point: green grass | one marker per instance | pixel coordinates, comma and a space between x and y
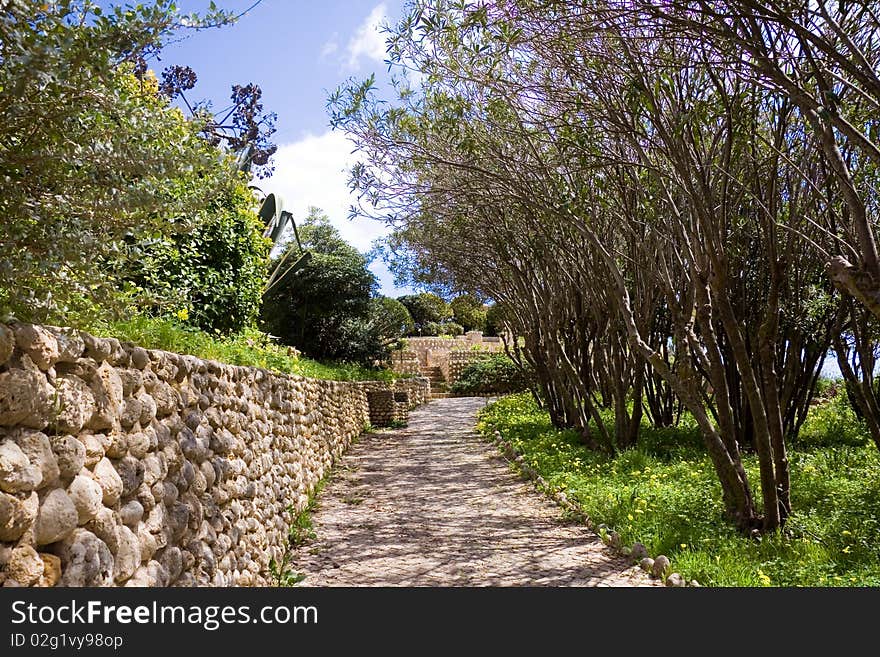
665, 494
251, 348
300, 532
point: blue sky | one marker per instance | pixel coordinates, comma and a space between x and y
297, 51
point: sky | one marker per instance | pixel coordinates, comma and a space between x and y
297, 51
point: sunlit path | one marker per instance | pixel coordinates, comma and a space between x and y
433, 505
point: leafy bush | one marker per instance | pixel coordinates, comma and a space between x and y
451, 328
92, 156
213, 274
493, 373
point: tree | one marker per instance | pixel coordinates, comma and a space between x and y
822, 58
468, 311
496, 323
635, 207
425, 308
95, 164
324, 308
391, 319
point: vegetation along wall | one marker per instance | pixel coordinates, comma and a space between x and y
121, 466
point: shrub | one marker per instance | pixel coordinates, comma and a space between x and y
432, 328
426, 310
494, 373
451, 328
216, 271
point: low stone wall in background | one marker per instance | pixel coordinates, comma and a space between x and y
449, 354
405, 362
121, 466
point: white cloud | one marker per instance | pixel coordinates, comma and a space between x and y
368, 41
314, 172
330, 47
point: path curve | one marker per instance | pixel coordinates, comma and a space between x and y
435, 505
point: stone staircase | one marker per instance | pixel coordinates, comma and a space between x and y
439, 388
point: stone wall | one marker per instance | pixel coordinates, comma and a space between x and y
121, 466
444, 353
405, 362
416, 388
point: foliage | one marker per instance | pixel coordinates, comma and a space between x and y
495, 320
300, 531
391, 319
492, 374
664, 494
325, 307
425, 308
282, 575
433, 329
249, 348
468, 311
214, 273
93, 160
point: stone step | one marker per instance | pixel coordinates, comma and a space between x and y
441, 395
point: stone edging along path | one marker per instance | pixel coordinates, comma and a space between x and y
436, 505
659, 568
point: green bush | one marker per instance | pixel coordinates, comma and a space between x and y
214, 273
451, 328
492, 373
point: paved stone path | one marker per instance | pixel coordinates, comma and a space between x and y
435, 505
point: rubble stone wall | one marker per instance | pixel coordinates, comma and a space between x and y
122, 466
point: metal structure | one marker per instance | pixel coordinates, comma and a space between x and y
276, 220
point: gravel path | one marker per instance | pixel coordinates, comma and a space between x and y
434, 505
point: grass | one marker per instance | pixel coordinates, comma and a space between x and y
300, 532
250, 348
664, 494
